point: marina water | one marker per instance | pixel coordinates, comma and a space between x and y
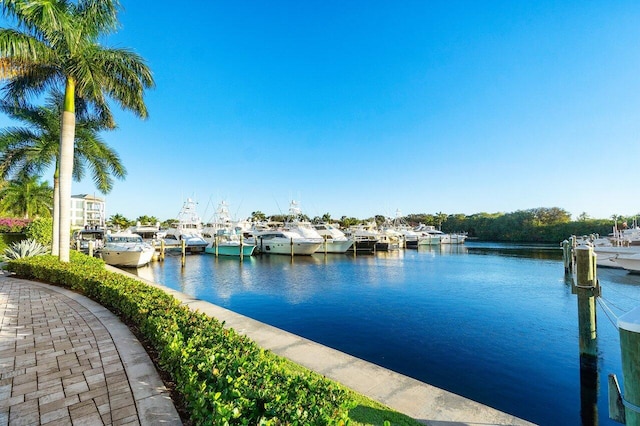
495, 323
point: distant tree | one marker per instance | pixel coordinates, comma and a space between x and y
326, 217
27, 197
278, 218
583, 217
440, 219
147, 220
346, 222
379, 219
119, 221
549, 216
168, 223
258, 216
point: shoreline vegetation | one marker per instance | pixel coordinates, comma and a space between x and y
539, 225
216, 376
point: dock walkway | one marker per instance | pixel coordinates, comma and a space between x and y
65, 360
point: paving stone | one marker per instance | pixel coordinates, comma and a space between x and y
55, 415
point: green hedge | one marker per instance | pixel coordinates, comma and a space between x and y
224, 377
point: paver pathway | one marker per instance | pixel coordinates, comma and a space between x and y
65, 360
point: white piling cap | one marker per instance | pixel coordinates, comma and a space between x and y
630, 321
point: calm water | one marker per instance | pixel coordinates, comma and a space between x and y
494, 323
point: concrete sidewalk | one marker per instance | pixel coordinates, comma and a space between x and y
65, 360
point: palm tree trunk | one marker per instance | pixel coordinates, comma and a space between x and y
55, 238
67, 136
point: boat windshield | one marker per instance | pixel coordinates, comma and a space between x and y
125, 239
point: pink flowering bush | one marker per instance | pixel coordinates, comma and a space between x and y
10, 224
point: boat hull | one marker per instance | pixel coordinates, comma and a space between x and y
285, 247
607, 256
231, 250
631, 263
453, 239
127, 258
429, 240
335, 246
366, 246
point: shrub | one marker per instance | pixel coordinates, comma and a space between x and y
41, 230
223, 377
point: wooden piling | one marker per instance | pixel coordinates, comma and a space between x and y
184, 252
629, 329
587, 290
241, 249
292, 248
162, 248
567, 255
215, 243
91, 244
325, 245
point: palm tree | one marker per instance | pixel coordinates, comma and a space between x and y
55, 45
27, 197
29, 150
119, 221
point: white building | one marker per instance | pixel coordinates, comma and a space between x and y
87, 211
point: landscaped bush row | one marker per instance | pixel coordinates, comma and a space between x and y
223, 377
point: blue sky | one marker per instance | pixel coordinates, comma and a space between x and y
360, 108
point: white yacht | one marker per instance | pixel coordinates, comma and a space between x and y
293, 238
187, 229
281, 241
126, 249
334, 240
428, 235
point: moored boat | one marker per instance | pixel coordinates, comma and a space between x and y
126, 249
630, 262
187, 229
224, 237
81, 239
280, 241
229, 247
334, 240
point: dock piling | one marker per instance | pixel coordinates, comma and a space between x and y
587, 289
184, 252
629, 329
162, 247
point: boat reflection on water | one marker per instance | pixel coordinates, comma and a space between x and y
444, 249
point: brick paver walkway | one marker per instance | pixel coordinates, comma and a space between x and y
59, 364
